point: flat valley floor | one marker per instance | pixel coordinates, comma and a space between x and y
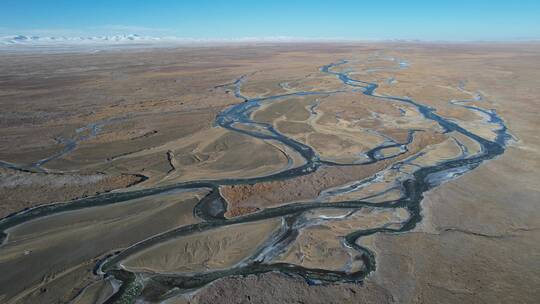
287, 173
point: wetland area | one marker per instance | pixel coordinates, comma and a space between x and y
271, 173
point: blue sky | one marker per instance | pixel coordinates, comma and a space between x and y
425, 20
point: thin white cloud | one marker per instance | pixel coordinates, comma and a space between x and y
101, 30
121, 29
4, 31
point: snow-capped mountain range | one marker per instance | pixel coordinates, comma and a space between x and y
23, 43
28, 40
22, 40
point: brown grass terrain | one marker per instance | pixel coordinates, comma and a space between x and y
20, 190
151, 112
244, 199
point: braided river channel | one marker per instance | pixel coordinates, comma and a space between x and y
132, 283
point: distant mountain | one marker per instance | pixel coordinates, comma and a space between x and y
98, 43
37, 40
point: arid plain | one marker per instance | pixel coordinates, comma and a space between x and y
285, 173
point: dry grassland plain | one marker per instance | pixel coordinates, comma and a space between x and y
272, 173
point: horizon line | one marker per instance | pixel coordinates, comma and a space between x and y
21, 39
